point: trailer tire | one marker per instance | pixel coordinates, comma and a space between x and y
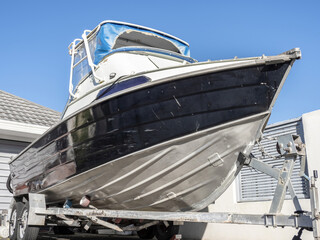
26, 232
165, 233
147, 233
13, 223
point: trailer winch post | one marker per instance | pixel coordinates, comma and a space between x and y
289, 146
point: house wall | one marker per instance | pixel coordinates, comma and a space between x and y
228, 202
8, 149
14, 137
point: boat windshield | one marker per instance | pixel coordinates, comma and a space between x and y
110, 37
80, 68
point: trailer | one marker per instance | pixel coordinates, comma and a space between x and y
27, 215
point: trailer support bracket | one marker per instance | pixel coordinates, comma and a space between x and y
36, 201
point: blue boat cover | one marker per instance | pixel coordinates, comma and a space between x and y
110, 34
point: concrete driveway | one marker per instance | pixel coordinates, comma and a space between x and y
51, 236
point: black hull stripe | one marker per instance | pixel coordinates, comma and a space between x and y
98, 137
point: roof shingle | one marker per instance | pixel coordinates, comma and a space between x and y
16, 109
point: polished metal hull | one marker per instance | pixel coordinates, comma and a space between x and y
184, 174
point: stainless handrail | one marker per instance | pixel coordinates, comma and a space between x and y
90, 62
71, 51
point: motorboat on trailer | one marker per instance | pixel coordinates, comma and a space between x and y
146, 126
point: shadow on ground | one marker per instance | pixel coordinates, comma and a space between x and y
49, 236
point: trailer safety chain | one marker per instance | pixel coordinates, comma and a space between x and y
264, 153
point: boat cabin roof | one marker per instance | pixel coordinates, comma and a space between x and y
111, 35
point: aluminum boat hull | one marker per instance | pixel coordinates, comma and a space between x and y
172, 145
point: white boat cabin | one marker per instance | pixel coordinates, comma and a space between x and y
115, 51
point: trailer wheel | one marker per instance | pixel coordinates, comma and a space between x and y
26, 232
165, 233
13, 223
147, 233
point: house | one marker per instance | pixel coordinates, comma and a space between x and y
21, 122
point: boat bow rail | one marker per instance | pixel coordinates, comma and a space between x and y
292, 54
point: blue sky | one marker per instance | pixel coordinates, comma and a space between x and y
35, 35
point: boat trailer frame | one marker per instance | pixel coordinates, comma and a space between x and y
289, 146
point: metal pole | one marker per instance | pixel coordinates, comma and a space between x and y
314, 201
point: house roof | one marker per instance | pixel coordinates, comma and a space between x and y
16, 109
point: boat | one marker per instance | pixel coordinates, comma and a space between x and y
146, 126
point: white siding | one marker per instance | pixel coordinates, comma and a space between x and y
8, 149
